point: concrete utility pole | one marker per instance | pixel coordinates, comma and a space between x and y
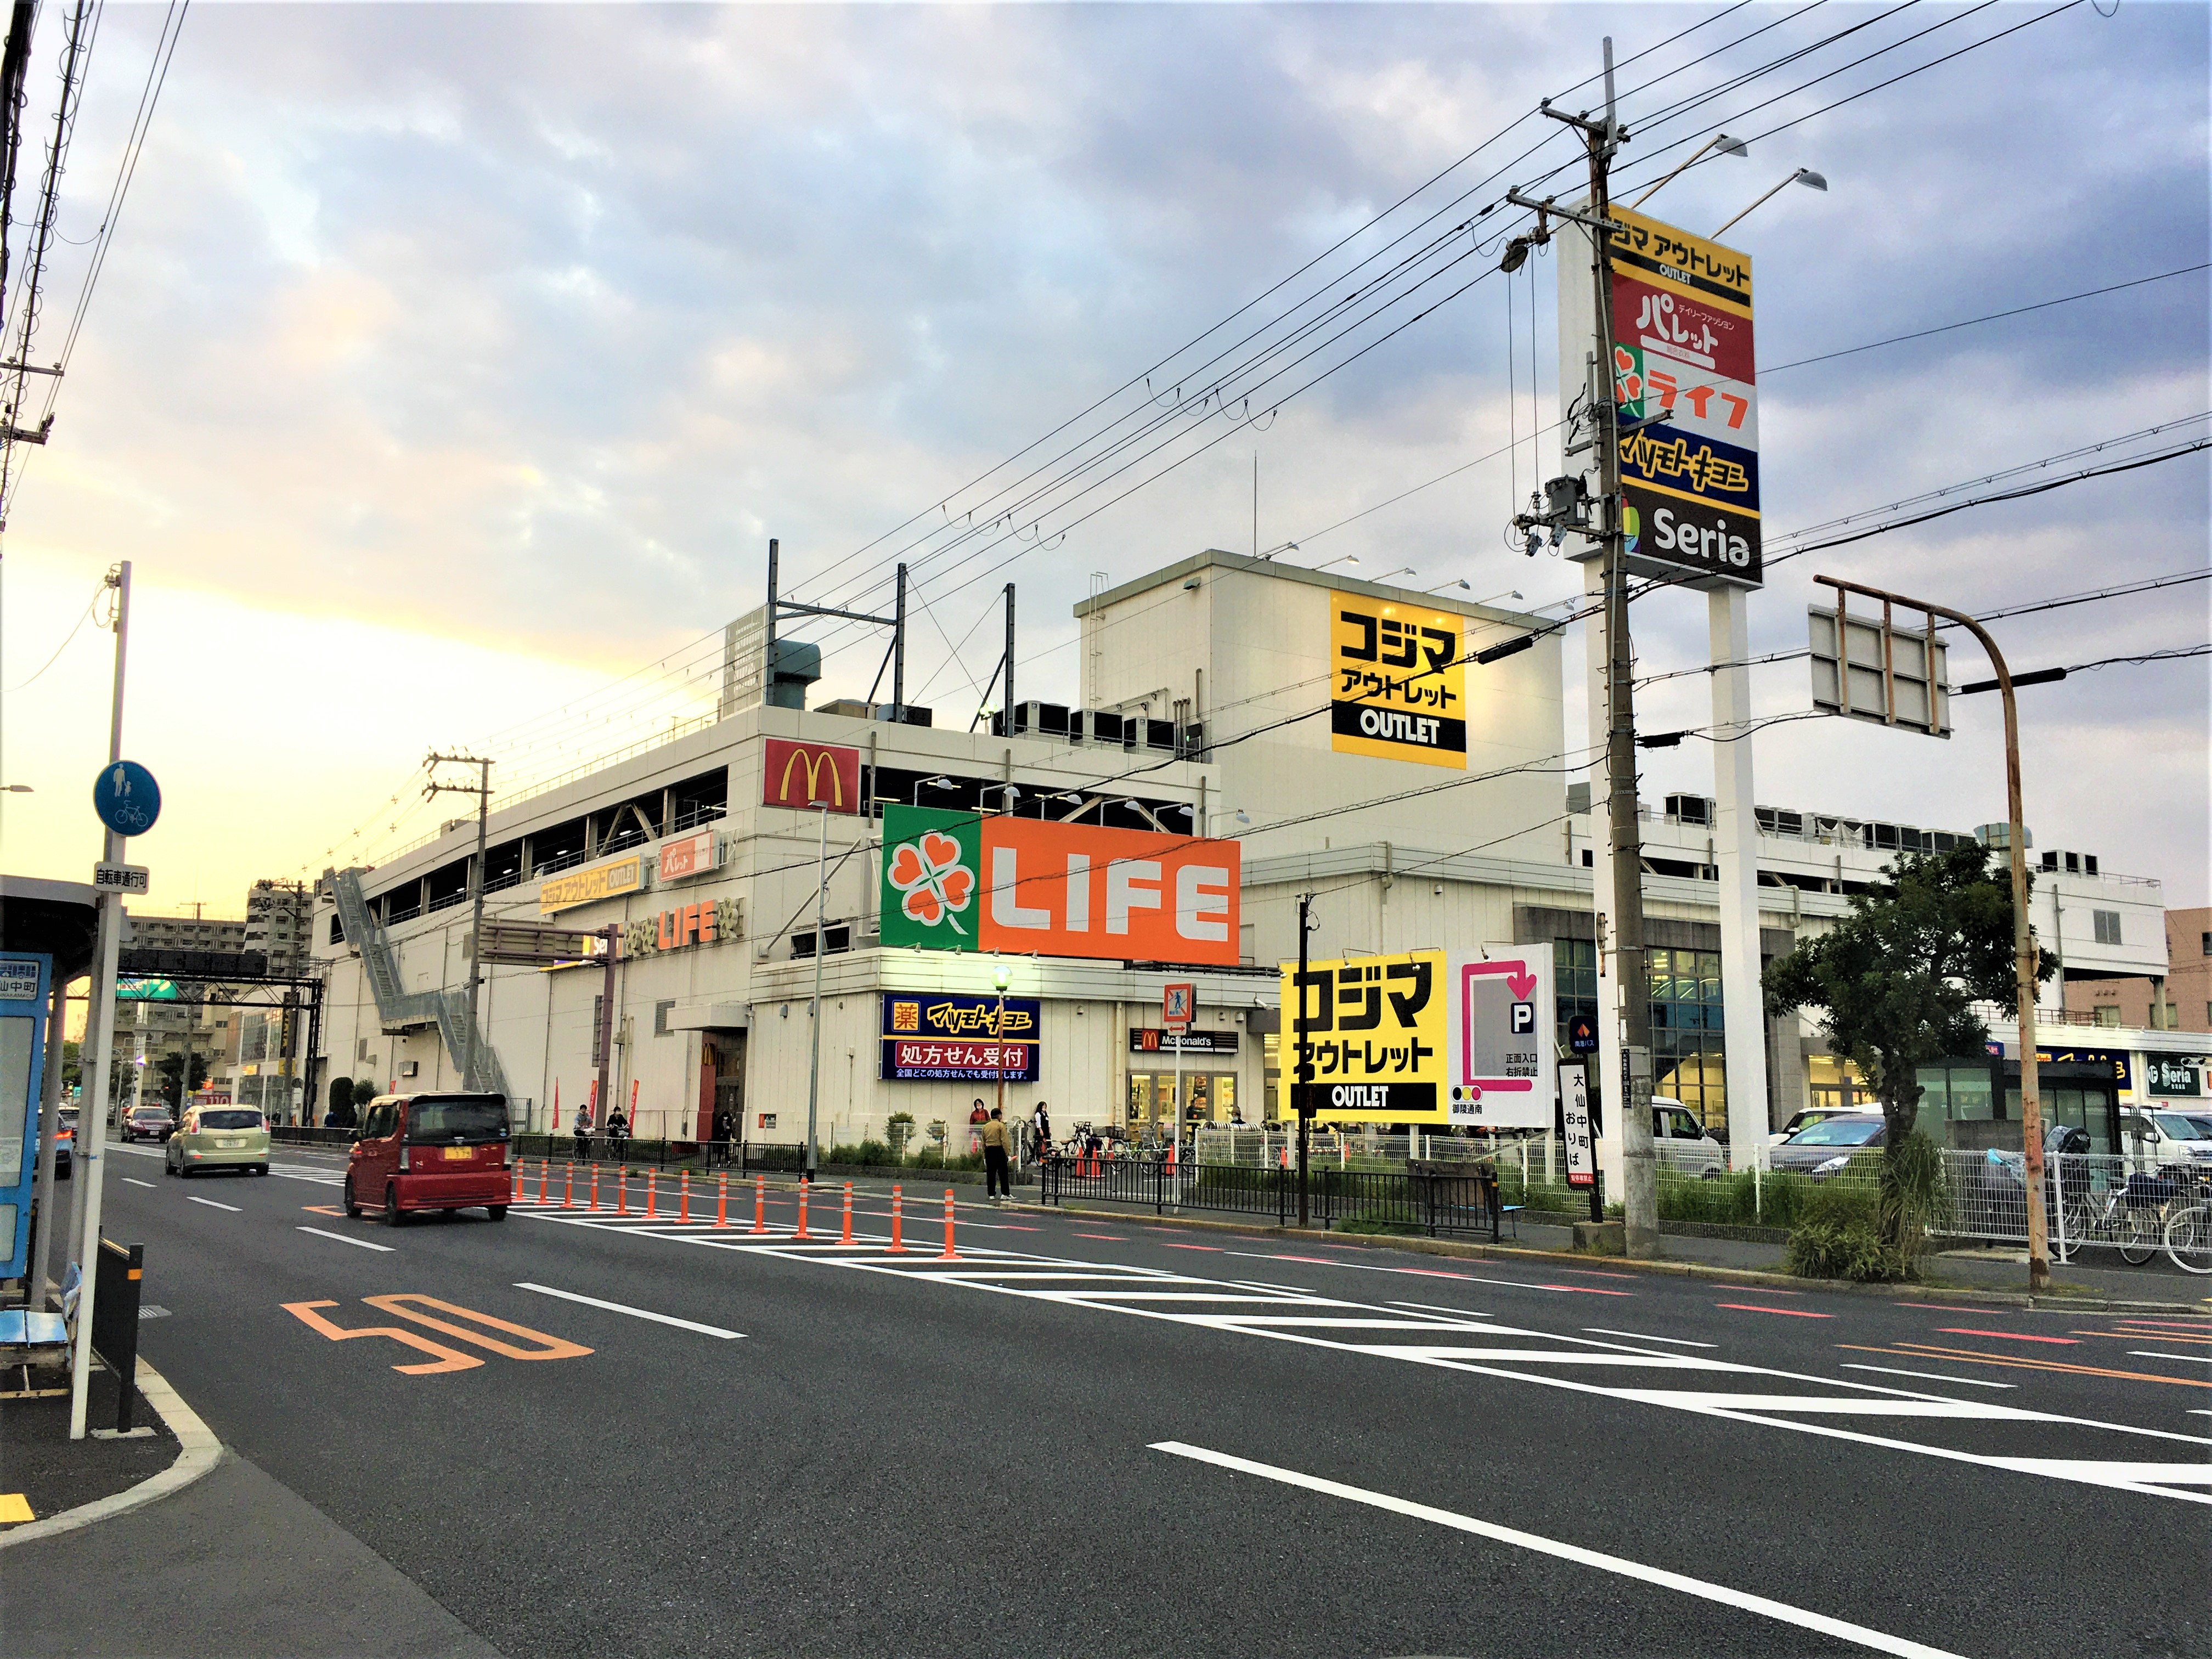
100, 1042
1632, 1115
821, 950
481, 790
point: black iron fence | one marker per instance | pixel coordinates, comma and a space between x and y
1426, 1198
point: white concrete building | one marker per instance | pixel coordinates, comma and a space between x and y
1213, 701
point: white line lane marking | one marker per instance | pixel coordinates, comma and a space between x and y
211, 1204
1685, 1342
1803, 1618
358, 1243
135, 1181
2133, 1354
634, 1313
1931, 1377
1438, 1307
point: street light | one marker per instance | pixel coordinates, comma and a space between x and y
932, 783
19, 789
1402, 570
1461, 583
1510, 593
1349, 558
1804, 176
999, 977
1720, 141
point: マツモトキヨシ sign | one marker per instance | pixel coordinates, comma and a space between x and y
936, 1036
963, 881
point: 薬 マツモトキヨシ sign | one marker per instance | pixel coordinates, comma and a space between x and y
936, 1036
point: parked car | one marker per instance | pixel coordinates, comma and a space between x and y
149, 1123
2153, 1138
218, 1137
1812, 1114
430, 1152
1821, 1149
1683, 1142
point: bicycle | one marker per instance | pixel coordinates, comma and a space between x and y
2188, 1238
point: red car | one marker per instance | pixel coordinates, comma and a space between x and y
430, 1152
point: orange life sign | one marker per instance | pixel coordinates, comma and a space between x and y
811, 775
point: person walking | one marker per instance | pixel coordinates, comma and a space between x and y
725, 1129
998, 1185
582, 1130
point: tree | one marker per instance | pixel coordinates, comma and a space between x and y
182, 1071
364, 1090
1895, 981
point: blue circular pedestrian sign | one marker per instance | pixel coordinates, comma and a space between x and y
126, 797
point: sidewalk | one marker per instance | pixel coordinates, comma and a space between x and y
52, 1472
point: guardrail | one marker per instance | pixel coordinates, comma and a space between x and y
1430, 1198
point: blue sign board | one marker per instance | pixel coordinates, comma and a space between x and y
939, 1036
126, 797
22, 1042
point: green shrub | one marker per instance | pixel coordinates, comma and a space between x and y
1839, 1235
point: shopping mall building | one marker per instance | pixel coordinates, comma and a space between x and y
1224, 700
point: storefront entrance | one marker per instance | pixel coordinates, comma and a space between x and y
721, 1080
1208, 1098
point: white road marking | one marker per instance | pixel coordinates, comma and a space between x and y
1743, 1600
212, 1204
1931, 1377
342, 1238
1677, 1341
634, 1313
1438, 1307
135, 1181
2152, 1353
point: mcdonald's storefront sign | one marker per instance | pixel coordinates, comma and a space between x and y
807, 776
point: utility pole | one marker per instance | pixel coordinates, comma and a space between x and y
1639, 1158
821, 950
1302, 1092
481, 790
100, 1039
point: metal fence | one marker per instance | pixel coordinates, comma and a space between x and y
1433, 1199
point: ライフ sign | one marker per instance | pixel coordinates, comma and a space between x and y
1398, 689
1374, 1034
811, 775
957, 881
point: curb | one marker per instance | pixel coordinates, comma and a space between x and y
198, 1451
1478, 1252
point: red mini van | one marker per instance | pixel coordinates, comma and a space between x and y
430, 1152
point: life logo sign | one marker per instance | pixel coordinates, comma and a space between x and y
1684, 378
959, 881
126, 797
1367, 1037
1503, 1055
1397, 688
811, 775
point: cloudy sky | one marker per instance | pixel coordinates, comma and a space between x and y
452, 364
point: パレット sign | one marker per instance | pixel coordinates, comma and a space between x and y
686, 855
959, 881
811, 775
1397, 688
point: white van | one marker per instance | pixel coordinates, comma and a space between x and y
2157, 1137
1684, 1144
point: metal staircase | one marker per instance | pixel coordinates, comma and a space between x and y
399, 1009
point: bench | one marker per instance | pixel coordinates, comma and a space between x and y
31, 1337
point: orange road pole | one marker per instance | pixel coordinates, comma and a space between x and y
544, 1175
760, 1204
803, 1186
846, 1236
950, 1255
651, 1177
722, 1199
622, 1190
568, 1188
898, 1247
683, 1203
595, 1186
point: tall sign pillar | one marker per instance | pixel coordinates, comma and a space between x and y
1735, 851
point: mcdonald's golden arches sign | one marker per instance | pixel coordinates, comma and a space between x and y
808, 776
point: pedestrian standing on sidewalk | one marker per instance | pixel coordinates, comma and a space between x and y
725, 1128
998, 1185
1041, 1125
977, 1117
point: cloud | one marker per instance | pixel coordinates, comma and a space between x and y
523, 328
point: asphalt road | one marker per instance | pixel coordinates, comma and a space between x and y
1116, 1438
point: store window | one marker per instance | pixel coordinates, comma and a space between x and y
1834, 1083
1271, 1052
1688, 1043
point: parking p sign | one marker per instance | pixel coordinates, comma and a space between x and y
1503, 1058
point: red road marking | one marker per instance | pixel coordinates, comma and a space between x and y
2015, 1336
1939, 1307
1318, 1260
1111, 1238
1760, 1290
1428, 1273
1015, 1227
1793, 1313
1216, 1248
1584, 1289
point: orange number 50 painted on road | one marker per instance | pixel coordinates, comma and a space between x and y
444, 1358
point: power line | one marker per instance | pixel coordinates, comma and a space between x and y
1993, 316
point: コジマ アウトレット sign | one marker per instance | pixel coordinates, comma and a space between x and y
959, 881
1397, 688
1373, 1031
